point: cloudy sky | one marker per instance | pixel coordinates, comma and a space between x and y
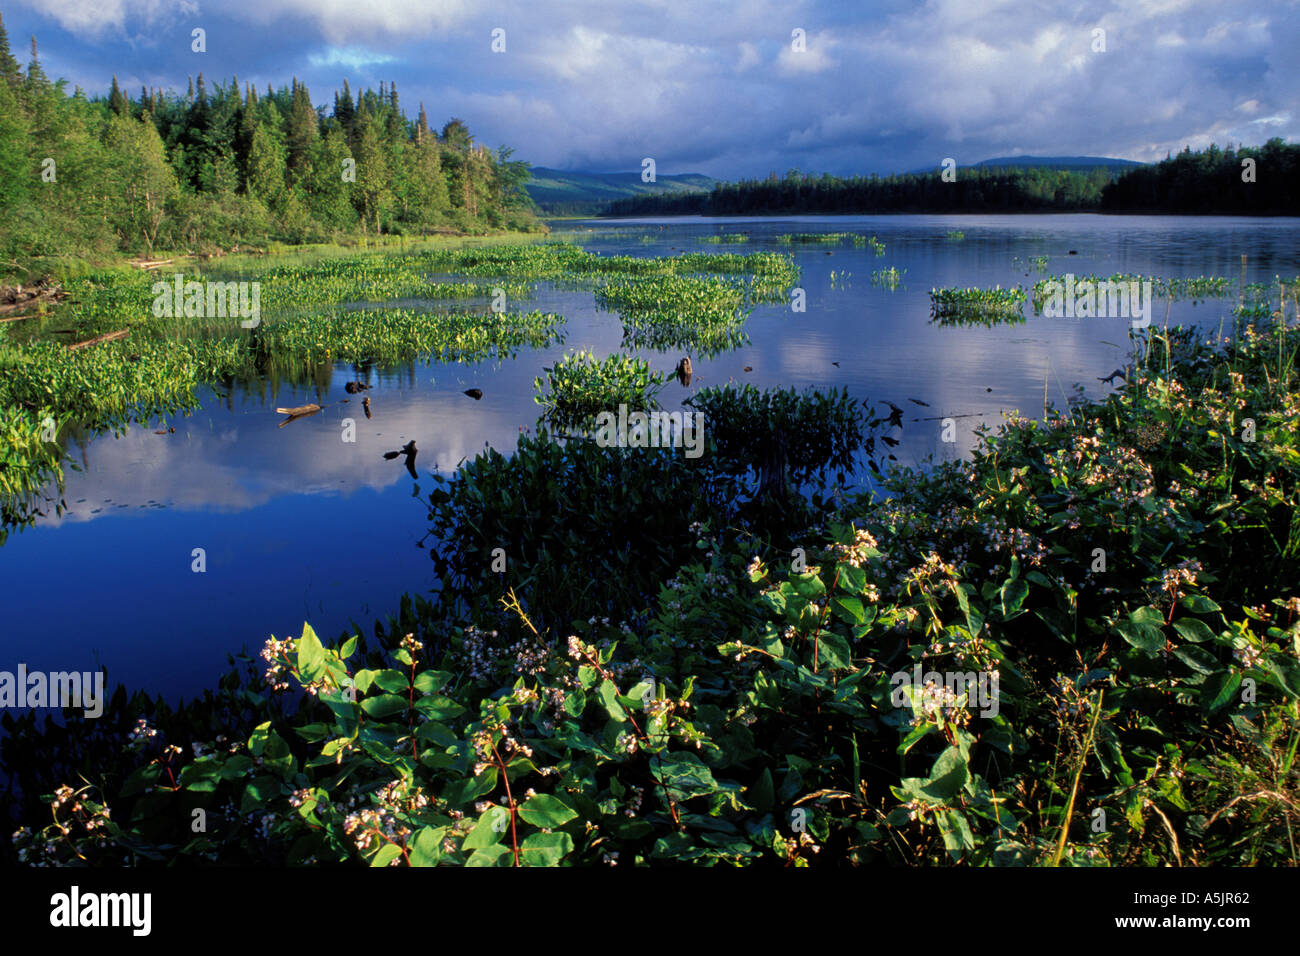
719, 87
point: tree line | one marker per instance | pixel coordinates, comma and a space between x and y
1247, 181
222, 166
1209, 181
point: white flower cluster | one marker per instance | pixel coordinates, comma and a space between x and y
274, 653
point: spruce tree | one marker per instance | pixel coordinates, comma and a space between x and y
36, 80
118, 103
346, 112
10, 72
301, 132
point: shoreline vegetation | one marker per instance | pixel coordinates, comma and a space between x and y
1212, 181
723, 687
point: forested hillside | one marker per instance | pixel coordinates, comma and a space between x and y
1248, 180
1209, 181
975, 189
223, 165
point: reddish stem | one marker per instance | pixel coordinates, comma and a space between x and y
505, 776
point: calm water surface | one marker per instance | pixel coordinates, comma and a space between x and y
298, 525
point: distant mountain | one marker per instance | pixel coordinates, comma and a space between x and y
1117, 166
560, 192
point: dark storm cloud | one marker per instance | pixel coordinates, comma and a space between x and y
718, 88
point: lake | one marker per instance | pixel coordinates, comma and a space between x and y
297, 525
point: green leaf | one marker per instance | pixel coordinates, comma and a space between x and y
833, 649
430, 682
259, 791
426, 848
1142, 636
545, 849
1147, 615
957, 836
386, 855
1199, 604
847, 609
202, 775
492, 825
609, 697
348, 649
544, 810
947, 777
807, 585
685, 774
311, 655
852, 579
1193, 630
495, 855
395, 682
1197, 658
1012, 596
385, 705
1219, 690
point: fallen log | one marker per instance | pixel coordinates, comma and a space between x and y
106, 337
299, 410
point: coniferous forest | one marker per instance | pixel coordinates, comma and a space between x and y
1208, 181
227, 164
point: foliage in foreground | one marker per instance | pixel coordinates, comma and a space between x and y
1127, 570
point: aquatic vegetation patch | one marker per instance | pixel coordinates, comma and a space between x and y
580, 386
391, 335
1195, 289
705, 315
954, 306
781, 436
889, 278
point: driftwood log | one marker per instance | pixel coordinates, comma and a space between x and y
106, 337
297, 412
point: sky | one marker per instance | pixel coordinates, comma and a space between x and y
732, 89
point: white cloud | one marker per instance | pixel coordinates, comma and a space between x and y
93, 18
353, 58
